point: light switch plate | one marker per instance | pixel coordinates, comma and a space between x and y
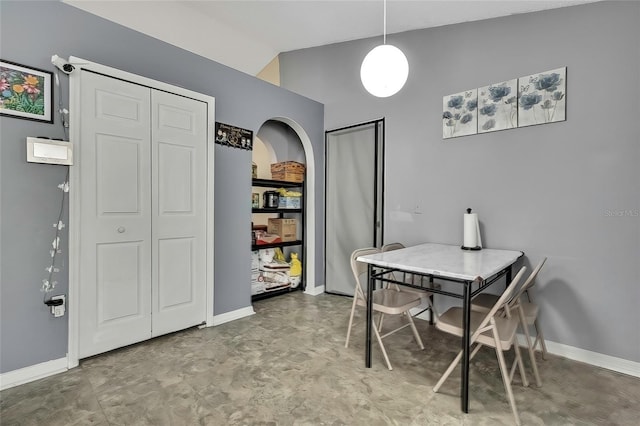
49, 151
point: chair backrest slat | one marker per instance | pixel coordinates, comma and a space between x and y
360, 268
531, 280
502, 301
391, 247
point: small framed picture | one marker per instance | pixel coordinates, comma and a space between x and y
460, 114
25, 92
542, 97
498, 106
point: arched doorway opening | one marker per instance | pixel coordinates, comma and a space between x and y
283, 139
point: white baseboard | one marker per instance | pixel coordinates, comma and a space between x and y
609, 362
233, 315
31, 373
597, 359
314, 291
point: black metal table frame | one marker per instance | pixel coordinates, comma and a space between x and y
377, 274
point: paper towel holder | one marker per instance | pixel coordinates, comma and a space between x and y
478, 247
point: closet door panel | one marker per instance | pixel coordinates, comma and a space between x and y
115, 218
179, 153
117, 279
176, 264
126, 154
176, 182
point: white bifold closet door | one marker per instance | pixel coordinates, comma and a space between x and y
142, 213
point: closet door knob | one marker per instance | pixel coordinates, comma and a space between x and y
121, 229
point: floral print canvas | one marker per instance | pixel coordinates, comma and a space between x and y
460, 114
542, 97
25, 92
498, 106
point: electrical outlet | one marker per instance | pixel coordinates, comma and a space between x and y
58, 311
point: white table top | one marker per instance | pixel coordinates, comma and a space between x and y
445, 260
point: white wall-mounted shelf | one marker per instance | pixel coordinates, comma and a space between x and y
49, 151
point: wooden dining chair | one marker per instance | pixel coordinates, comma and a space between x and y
386, 301
490, 329
527, 311
425, 295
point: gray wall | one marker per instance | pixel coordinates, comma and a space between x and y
30, 33
284, 140
568, 190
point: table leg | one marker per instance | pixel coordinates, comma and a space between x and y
466, 337
431, 299
370, 283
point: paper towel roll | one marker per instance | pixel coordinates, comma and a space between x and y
471, 231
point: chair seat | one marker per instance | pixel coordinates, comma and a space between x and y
393, 302
451, 322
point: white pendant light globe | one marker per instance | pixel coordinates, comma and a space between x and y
384, 71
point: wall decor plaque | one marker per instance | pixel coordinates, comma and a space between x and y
234, 137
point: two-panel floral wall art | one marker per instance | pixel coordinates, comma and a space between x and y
526, 101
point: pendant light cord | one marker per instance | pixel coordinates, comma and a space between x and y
384, 24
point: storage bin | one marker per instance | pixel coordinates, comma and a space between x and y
289, 202
289, 171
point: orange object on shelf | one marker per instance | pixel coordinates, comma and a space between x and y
265, 238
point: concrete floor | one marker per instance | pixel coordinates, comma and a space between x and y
287, 365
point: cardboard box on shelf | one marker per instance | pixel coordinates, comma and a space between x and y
286, 229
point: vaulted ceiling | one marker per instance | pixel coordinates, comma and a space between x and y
248, 34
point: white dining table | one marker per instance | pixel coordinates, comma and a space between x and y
451, 263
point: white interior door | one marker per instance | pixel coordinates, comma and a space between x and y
143, 180
179, 170
115, 220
